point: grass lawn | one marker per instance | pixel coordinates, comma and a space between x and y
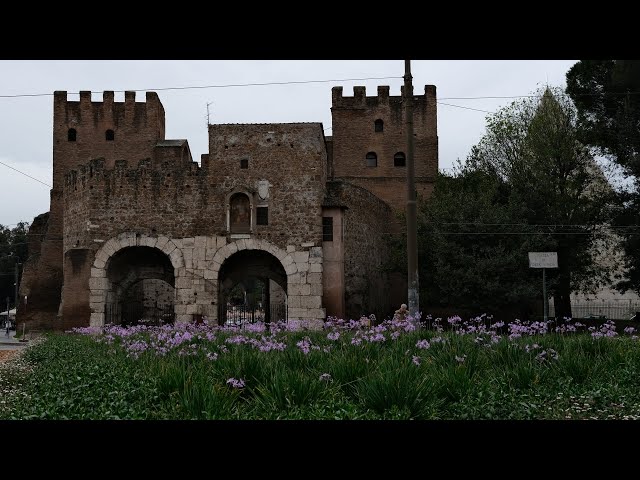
392, 371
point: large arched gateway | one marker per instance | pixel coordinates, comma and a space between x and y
141, 287
133, 278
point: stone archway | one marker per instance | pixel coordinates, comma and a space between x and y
99, 283
303, 287
141, 287
255, 273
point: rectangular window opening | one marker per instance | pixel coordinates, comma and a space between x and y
262, 216
327, 229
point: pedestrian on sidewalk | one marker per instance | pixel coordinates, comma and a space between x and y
7, 324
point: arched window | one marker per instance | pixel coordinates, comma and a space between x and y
110, 136
240, 213
379, 125
71, 135
399, 160
372, 159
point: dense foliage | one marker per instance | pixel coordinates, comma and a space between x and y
13, 250
607, 96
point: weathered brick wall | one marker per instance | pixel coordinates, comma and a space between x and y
291, 157
41, 277
155, 292
185, 200
354, 135
137, 127
366, 223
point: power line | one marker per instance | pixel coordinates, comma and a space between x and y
490, 97
515, 233
26, 175
229, 85
466, 108
556, 225
535, 96
300, 82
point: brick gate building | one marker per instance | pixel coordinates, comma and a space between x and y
134, 220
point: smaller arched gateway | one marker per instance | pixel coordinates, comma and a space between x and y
296, 273
252, 287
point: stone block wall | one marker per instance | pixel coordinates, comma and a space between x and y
197, 262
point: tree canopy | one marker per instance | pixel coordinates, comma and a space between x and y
13, 249
607, 97
528, 185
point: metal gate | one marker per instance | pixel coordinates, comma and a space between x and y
136, 313
238, 315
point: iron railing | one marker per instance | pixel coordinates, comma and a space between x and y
622, 310
240, 314
136, 313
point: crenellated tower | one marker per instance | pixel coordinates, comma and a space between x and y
369, 142
111, 130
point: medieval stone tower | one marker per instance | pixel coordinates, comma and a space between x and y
137, 229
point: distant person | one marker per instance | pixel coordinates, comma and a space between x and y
402, 312
7, 325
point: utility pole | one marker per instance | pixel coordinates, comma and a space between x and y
16, 285
412, 214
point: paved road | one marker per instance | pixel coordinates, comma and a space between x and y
10, 343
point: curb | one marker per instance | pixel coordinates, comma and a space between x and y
15, 343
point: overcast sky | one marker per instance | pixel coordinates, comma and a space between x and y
26, 122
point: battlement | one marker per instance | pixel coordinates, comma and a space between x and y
96, 171
361, 101
128, 115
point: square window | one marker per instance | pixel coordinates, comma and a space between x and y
262, 217
244, 163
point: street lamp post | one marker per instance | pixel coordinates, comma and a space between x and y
17, 264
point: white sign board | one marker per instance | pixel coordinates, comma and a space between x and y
543, 259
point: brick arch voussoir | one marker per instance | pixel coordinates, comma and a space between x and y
225, 252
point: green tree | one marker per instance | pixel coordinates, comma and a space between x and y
471, 258
13, 249
555, 183
607, 97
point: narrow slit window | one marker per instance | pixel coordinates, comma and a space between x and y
399, 160
327, 229
372, 159
262, 217
71, 135
110, 135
